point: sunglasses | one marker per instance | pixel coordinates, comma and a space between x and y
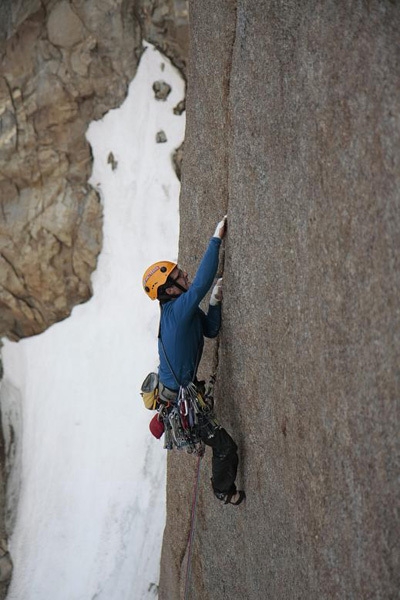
181, 274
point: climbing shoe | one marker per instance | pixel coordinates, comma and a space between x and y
238, 497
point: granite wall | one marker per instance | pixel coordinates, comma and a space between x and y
293, 129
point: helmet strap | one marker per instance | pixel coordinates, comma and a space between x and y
164, 297
180, 287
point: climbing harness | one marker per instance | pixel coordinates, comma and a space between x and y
188, 421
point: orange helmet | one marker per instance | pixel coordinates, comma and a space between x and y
155, 276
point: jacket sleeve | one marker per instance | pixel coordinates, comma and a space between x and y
212, 321
187, 304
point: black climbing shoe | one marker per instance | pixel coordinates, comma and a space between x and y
242, 496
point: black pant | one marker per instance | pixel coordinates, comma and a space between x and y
224, 462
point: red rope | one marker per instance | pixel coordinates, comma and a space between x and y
192, 525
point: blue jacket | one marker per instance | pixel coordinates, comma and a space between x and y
184, 324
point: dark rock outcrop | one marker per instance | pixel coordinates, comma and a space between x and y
63, 64
59, 71
293, 130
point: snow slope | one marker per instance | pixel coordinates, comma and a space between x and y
91, 509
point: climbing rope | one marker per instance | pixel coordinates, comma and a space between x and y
197, 479
192, 528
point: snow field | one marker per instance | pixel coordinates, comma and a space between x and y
91, 479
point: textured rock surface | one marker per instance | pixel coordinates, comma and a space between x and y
165, 24
59, 71
63, 65
293, 128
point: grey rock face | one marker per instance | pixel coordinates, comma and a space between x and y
296, 136
177, 159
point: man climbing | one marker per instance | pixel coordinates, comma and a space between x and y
183, 326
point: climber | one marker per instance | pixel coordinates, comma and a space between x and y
182, 327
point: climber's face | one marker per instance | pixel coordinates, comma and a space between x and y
181, 278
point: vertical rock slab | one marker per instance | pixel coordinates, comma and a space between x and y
204, 199
309, 383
